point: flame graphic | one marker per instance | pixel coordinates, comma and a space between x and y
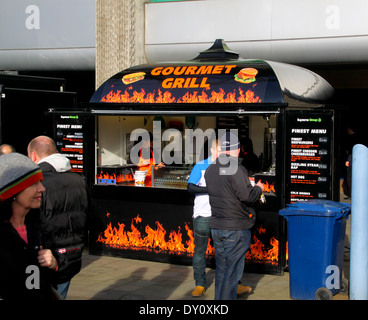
268, 187
259, 254
118, 178
156, 240
195, 97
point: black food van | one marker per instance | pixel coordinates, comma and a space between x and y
284, 110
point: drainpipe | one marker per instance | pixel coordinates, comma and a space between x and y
359, 225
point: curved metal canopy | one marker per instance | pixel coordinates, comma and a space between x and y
217, 78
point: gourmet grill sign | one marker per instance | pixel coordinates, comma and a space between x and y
189, 71
245, 82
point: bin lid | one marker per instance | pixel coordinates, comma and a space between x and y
316, 207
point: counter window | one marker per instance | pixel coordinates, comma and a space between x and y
160, 151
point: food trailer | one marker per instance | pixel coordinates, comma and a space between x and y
284, 110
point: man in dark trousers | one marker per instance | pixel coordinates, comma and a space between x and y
231, 197
63, 210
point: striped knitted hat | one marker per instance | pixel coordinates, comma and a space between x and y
17, 172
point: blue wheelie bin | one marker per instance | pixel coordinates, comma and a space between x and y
316, 235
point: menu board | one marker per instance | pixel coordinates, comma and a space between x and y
308, 155
69, 140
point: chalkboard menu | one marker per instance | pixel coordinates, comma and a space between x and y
69, 140
308, 155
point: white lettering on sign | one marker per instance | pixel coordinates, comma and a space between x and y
333, 17
33, 19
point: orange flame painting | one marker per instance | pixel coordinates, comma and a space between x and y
268, 188
156, 239
118, 178
195, 97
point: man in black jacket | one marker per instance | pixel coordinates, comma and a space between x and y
231, 197
64, 209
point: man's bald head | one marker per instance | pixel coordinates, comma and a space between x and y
41, 147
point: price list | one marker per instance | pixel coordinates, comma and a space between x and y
69, 140
309, 156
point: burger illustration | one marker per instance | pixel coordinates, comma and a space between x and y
133, 77
246, 75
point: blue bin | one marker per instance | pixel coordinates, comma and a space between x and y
316, 235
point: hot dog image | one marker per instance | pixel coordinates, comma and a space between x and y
133, 77
246, 75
